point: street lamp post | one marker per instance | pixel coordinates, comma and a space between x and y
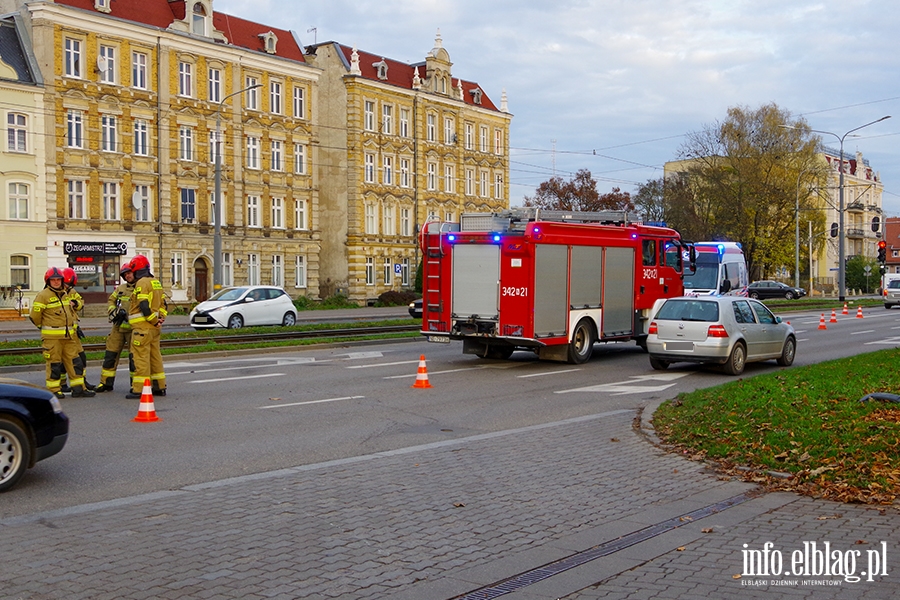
217, 216
840, 138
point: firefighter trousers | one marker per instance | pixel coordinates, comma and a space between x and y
61, 354
116, 341
147, 358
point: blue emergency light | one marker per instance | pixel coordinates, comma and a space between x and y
451, 238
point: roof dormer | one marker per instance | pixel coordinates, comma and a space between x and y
102, 5
381, 68
201, 18
270, 42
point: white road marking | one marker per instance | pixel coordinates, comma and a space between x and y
628, 387
370, 354
237, 378
859, 332
891, 341
479, 368
311, 402
549, 373
404, 362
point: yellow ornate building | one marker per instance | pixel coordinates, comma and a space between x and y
135, 94
400, 144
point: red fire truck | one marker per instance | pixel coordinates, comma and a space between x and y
550, 282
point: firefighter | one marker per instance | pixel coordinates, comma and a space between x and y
146, 315
70, 280
119, 337
52, 313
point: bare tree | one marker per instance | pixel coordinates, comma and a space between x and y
579, 193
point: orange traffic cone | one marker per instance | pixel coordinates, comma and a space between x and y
846, 312
833, 317
859, 312
146, 410
421, 375
822, 322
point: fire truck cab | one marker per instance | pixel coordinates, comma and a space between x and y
550, 282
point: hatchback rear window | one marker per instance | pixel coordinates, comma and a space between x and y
689, 310
894, 284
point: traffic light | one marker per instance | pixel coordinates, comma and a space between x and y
834, 230
882, 251
882, 269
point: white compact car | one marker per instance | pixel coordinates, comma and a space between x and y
236, 307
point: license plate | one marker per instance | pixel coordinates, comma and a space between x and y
201, 319
680, 346
441, 339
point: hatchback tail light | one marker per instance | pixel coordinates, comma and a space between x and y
654, 330
717, 331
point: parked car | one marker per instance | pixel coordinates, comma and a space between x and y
248, 305
415, 309
774, 289
32, 427
726, 330
892, 293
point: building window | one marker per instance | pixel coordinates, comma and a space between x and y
198, 19
20, 271
227, 270
277, 155
484, 139
278, 270
484, 190
387, 219
299, 103
16, 132
107, 56
212, 210
185, 143
449, 135
498, 142
387, 270
177, 272
278, 213
215, 85
387, 119
252, 152
370, 270
430, 128
139, 70
299, 159
369, 174
387, 170
252, 95
142, 213
299, 271
371, 225
188, 205
404, 272
470, 182
300, 214
18, 201
369, 116
470, 136
431, 177
449, 178
253, 269
186, 79
108, 133
498, 186
110, 208
404, 172
404, 122
141, 138
275, 106
405, 222
72, 57
213, 147
74, 129
75, 201
252, 211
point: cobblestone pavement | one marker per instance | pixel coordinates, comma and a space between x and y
440, 521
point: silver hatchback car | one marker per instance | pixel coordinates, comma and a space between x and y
892, 293
726, 330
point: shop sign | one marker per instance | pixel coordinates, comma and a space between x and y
95, 248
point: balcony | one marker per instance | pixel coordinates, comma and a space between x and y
852, 232
856, 207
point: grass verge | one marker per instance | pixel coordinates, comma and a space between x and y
802, 429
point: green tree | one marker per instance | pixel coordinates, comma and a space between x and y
855, 275
579, 194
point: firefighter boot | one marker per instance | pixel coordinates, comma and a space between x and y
105, 386
79, 392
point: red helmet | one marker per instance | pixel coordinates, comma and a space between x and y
126, 268
139, 262
51, 273
69, 276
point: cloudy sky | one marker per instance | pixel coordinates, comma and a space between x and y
613, 85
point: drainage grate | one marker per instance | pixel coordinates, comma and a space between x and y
527, 578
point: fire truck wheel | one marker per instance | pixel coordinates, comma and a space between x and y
659, 365
736, 360
582, 344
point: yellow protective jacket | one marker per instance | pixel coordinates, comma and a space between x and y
121, 298
53, 315
76, 302
150, 290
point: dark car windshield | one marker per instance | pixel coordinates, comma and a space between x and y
689, 310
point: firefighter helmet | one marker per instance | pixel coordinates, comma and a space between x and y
70, 278
139, 263
53, 273
126, 268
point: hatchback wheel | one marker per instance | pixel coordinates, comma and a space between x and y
659, 365
15, 454
736, 360
788, 352
289, 320
235, 321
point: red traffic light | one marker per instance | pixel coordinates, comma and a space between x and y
882, 244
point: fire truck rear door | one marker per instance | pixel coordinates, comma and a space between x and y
476, 278
618, 292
